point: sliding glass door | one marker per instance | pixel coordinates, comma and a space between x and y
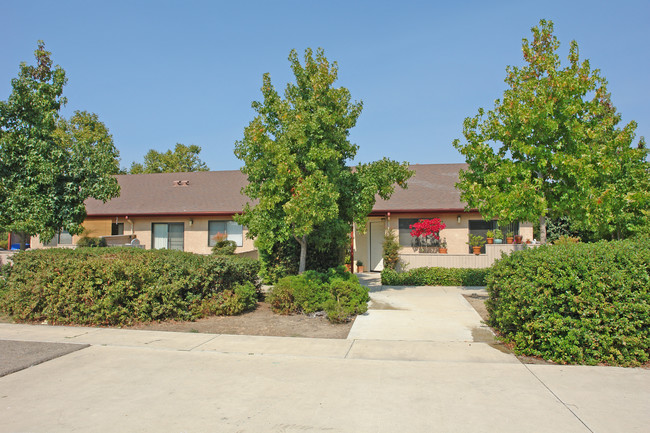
167, 236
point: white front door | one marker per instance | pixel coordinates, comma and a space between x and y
376, 245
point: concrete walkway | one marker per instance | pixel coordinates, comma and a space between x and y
415, 364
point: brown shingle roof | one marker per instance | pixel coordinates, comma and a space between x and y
213, 192
154, 194
432, 188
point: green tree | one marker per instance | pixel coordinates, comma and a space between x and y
48, 165
621, 200
541, 151
295, 152
182, 159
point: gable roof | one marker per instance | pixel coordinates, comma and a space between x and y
207, 192
218, 192
431, 188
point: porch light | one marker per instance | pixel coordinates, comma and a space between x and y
191, 222
458, 219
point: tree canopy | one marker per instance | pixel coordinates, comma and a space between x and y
182, 159
296, 152
50, 165
551, 146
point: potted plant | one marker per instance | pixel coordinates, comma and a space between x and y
443, 246
347, 263
510, 237
498, 236
518, 239
476, 242
359, 266
490, 236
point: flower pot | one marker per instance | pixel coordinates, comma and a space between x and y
509, 240
498, 241
517, 239
477, 250
490, 240
348, 267
442, 250
359, 268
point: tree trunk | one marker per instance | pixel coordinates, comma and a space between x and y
542, 229
303, 254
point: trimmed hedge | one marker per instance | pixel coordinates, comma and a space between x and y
336, 292
91, 242
575, 303
435, 277
117, 286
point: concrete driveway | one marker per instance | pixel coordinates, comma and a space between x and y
415, 365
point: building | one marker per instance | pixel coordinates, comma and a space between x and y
185, 210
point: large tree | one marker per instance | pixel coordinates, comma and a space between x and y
296, 152
49, 165
182, 159
551, 146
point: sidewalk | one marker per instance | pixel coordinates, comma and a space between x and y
438, 378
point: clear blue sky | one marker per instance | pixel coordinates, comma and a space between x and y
162, 72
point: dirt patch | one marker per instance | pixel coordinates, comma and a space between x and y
478, 303
261, 321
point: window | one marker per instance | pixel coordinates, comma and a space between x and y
61, 238
117, 229
167, 236
234, 231
405, 238
65, 238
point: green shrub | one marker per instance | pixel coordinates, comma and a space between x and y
284, 257
115, 286
575, 303
4, 276
308, 292
229, 302
224, 247
347, 298
435, 277
391, 249
87, 241
336, 292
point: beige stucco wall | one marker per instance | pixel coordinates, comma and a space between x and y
195, 237
526, 231
455, 233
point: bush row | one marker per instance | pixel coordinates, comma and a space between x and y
575, 303
336, 292
116, 286
435, 277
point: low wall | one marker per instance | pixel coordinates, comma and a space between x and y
492, 253
5, 257
250, 254
118, 240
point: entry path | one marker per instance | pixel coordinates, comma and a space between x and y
375, 381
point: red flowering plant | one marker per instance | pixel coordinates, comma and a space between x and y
426, 233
